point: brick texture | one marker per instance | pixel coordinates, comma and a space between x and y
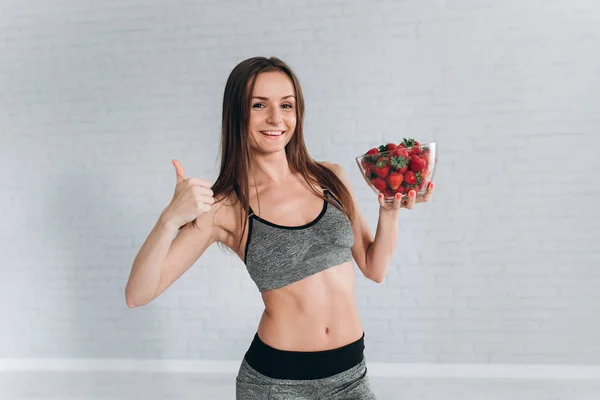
98, 96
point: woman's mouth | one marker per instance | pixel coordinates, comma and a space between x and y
272, 134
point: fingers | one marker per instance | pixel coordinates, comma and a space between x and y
381, 201
199, 182
397, 201
180, 174
395, 204
412, 198
429, 192
427, 195
204, 194
179, 171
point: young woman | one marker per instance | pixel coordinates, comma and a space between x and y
296, 225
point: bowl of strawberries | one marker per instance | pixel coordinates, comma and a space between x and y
399, 168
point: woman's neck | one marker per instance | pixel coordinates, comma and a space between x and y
269, 169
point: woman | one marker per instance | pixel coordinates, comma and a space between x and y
295, 224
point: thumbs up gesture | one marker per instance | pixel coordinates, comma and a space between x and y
192, 198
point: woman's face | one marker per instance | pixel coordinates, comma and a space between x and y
272, 112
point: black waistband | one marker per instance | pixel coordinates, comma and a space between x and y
284, 364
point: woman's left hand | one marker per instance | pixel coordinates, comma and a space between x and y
406, 201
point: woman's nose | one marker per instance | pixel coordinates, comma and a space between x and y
274, 116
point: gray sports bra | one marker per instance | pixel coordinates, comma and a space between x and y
278, 255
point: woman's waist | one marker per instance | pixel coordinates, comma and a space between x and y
317, 331
267, 362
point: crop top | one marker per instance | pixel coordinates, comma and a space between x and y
277, 255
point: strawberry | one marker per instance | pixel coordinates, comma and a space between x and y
390, 146
400, 163
379, 184
410, 178
417, 164
387, 193
395, 179
412, 145
382, 171
364, 163
400, 189
382, 168
373, 151
401, 152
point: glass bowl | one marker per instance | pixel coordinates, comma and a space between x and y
392, 169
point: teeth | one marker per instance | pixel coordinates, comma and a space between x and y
271, 133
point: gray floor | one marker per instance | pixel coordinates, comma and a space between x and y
153, 386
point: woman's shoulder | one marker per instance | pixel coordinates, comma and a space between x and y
337, 169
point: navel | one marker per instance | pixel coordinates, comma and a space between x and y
326, 330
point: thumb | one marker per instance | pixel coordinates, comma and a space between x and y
179, 171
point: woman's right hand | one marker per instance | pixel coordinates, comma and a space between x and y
192, 198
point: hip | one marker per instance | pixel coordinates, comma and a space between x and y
269, 373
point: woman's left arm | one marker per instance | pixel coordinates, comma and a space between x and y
373, 254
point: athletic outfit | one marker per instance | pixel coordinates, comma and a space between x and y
276, 256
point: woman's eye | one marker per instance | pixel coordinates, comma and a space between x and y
257, 105
287, 105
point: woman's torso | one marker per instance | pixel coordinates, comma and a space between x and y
317, 312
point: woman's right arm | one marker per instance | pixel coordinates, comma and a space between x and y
162, 259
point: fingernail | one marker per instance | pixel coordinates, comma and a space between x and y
397, 195
381, 195
430, 185
412, 193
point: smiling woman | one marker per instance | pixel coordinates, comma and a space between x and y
272, 117
295, 224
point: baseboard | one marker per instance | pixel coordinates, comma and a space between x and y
411, 370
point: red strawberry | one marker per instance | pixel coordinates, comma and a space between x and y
412, 145
386, 147
382, 168
373, 151
417, 164
401, 152
395, 179
400, 163
364, 163
388, 193
379, 184
410, 178
382, 171
400, 189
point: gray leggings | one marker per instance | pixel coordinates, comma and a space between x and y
352, 384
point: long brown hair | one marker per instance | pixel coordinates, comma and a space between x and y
235, 147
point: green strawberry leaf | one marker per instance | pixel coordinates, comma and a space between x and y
419, 177
382, 162
399, 162
408, 142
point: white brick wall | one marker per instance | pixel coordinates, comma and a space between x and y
97, 97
